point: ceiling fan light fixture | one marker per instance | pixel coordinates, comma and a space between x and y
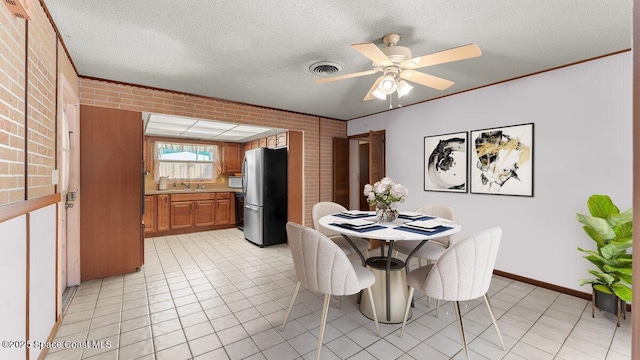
388, 85
403, 88
411, 63
379, 94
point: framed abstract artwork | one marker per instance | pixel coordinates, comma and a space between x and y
445, 162
502, 161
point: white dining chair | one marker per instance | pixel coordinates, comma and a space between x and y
322, 267
328, 208
433, 249
462, 273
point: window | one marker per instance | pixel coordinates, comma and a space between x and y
184, 161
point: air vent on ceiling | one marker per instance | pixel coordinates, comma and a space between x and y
19, 8
325, 68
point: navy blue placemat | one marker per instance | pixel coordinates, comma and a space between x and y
365, 229
424, 232
352, 217
426, 217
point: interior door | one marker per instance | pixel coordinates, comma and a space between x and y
341, 171
376, 156
65, 160
363, 175
376, 165
110, 179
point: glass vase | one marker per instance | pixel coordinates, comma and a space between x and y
385, 213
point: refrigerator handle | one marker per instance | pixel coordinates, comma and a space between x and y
244, 176
251, 207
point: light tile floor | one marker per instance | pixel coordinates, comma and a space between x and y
214, 295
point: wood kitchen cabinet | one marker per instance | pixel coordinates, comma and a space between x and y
149, 217
281, 139
195, 210
223, 209
262, 142
204, 213
163, 211
247, 146
181, 214
271, 141
232, 158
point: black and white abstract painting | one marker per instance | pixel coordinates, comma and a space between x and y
445, 162
502, 161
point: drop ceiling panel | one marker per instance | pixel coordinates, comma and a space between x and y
191, 128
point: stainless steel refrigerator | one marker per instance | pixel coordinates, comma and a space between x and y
264, 184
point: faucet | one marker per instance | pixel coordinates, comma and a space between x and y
186, 186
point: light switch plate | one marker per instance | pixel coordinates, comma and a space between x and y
54, 177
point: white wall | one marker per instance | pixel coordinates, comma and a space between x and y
42, 274
13, 282
41, 261
582, 146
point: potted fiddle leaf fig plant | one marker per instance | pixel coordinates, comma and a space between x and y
612, 232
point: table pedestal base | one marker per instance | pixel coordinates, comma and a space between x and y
398, 291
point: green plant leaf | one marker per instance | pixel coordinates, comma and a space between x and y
594, 236
586, 281
627, 278
623, 292
613, 250
613, 233
603, 277
621, 218
600, 226
624, 232
601, 206
603, 288
625, 262
597, 261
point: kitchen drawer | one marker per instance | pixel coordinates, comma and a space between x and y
192, 197
223, 195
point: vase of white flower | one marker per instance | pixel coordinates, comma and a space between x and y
385, 213
384, 195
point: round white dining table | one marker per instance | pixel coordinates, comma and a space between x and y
389, 232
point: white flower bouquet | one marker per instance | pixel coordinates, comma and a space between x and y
385, 193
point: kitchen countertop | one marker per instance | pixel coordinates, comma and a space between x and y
192, 191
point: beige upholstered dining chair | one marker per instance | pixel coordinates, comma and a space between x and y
462, 273
433, 249
327, 208
322, 267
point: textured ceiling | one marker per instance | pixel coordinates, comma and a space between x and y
258, 52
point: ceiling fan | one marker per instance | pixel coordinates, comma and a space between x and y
397, 64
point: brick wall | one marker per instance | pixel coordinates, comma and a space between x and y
12, 119
41, 110
317, 131
32, 46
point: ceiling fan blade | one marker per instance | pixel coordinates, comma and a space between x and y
426, 80
445, 56
369, 95
371, 51
345, 76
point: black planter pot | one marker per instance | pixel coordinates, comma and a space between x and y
609, 303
